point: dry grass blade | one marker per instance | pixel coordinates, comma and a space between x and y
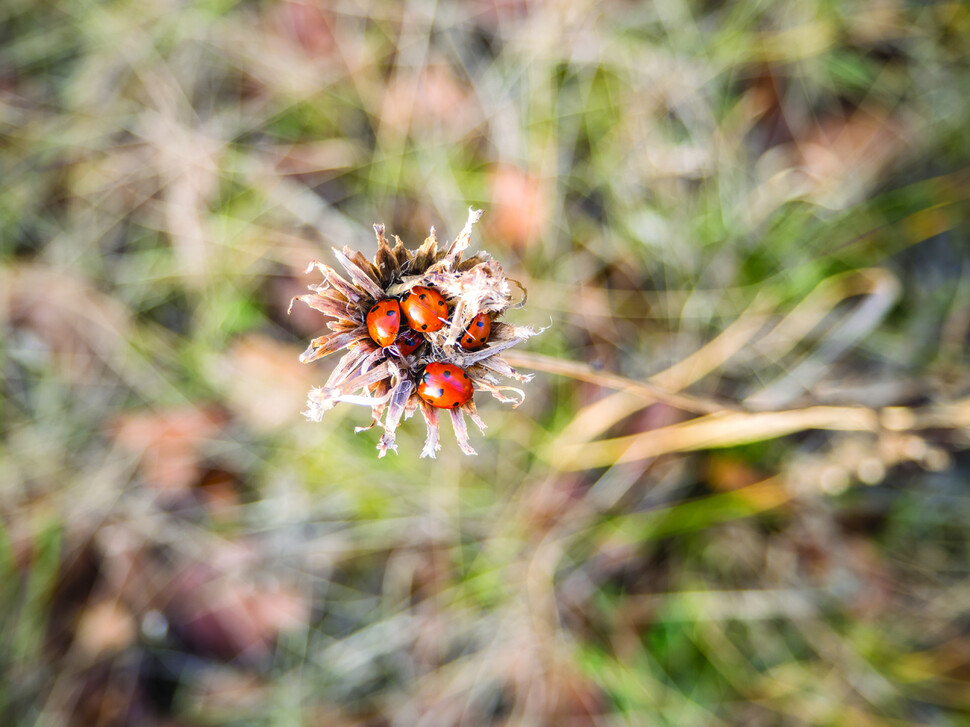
640, 389
723, 429
719, 350
748, 193
877, 289
731, 428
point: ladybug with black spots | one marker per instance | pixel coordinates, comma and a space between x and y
384, 321
445, 386
408, 341
478, 332
425, 309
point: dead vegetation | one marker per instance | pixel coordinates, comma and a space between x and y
736, 491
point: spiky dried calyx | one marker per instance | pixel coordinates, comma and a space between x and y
382, 377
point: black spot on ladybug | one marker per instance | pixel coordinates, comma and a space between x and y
464, 375
424, 327
481, 324
422, 296
447, 374
441, 302
390, 313
455, 405
441, 392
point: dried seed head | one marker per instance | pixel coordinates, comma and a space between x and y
385, 376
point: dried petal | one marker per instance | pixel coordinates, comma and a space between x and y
489, 384
325, 345
464, 237
427, 253
472, 412
387, 262
431, 445
381, 378
380, 391
461, 432
358, 358
501, 367
354, 264
399, 398
322, 399
333, 279
329, 306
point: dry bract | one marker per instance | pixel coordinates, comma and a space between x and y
382, 378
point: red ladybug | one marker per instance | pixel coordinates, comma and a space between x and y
477, 333
445, 386
408, 341
425, 309
383, 322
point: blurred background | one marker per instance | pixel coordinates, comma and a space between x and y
762, 206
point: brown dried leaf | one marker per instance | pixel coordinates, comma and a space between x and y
84, 329
520, 206
862, 144
314, 157
433, 100
105, 627
169, 444
308, 24
263, 379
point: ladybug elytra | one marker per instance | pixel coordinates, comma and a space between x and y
477, 333
384, 321
445, 386
425, 309
408, 341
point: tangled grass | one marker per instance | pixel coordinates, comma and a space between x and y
736, 493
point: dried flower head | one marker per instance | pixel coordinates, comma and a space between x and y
419, 330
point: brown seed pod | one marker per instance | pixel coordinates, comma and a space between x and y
381, 375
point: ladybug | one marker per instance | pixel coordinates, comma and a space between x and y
425, 309
477, 333
408, 341
383, 322
445, 386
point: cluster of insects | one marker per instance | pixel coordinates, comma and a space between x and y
419, 331
442, 385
